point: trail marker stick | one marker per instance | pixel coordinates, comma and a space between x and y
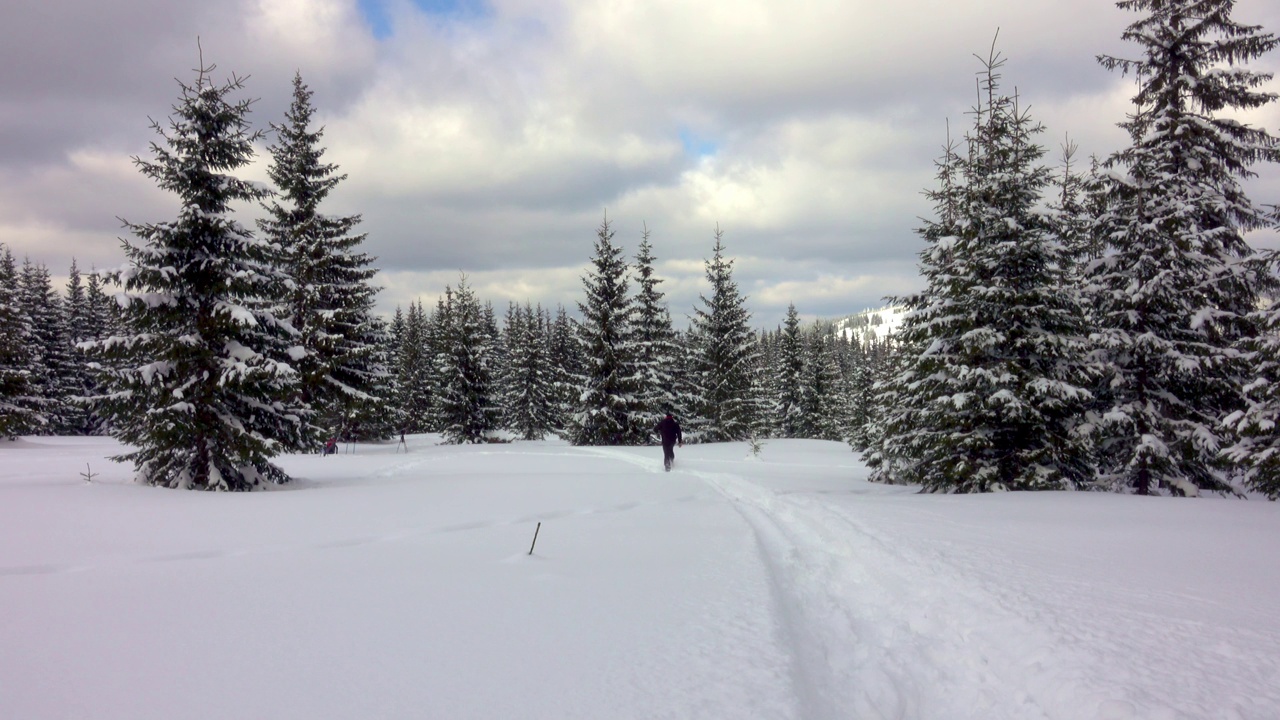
535, 537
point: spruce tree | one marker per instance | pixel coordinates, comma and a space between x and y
104, 320
52, 360
566, 367
327, 295
992, 386
867, 359
726, 353
195, 386
822, 388
1256, 445
20, 403
1070, 221
690, 397
764, 385
467, 402
104, 313
789, 371
654, 337
1174, 294
416, 381
608, 410
392, 388
529, 388
77, 323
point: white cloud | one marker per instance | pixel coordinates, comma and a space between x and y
493, 143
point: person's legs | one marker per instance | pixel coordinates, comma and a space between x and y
668, 455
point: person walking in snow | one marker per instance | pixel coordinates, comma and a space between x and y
669, 430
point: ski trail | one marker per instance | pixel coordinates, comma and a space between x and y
883, 633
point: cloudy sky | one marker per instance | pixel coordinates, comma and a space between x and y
492, 136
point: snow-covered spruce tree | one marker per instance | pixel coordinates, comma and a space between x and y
415, 371
529, 405
726, 353
1173, 295
1256, 448
20, 405
788, 372
327, 295
608, 410
52, 356
195, 385
466, 402
75, 307
566, 367
992, 392
891, 385
822, 388
690, 399
868, 358
895, 403
372, 415
104, 321
104, 313
1070, 221
765, 384
391, 388
77, 323
654, 337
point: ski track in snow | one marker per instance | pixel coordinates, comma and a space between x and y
884, 632
880, 631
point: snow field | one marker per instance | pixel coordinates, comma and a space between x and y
393, 585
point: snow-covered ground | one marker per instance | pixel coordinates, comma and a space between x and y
393, 585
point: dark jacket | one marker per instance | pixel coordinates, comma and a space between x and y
669, 429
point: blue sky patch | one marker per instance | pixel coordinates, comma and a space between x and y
696, 146
378, 15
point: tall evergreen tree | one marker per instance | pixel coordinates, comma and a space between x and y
467, 401
894, 397
1174, 294
530, 404
328, 297
392, 389
195, 387
566, 367
654, 337
822, 388
789, 398
991, 393
765, 384
726, 353
104, 320
20, 403
691, 401
868, 359
1256, 446
416, 379
104, 312
608, 411
1070, 222
52, 362
78, 327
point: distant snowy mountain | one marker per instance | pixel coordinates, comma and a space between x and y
871, 325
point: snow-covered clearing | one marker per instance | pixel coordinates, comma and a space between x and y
393, 585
